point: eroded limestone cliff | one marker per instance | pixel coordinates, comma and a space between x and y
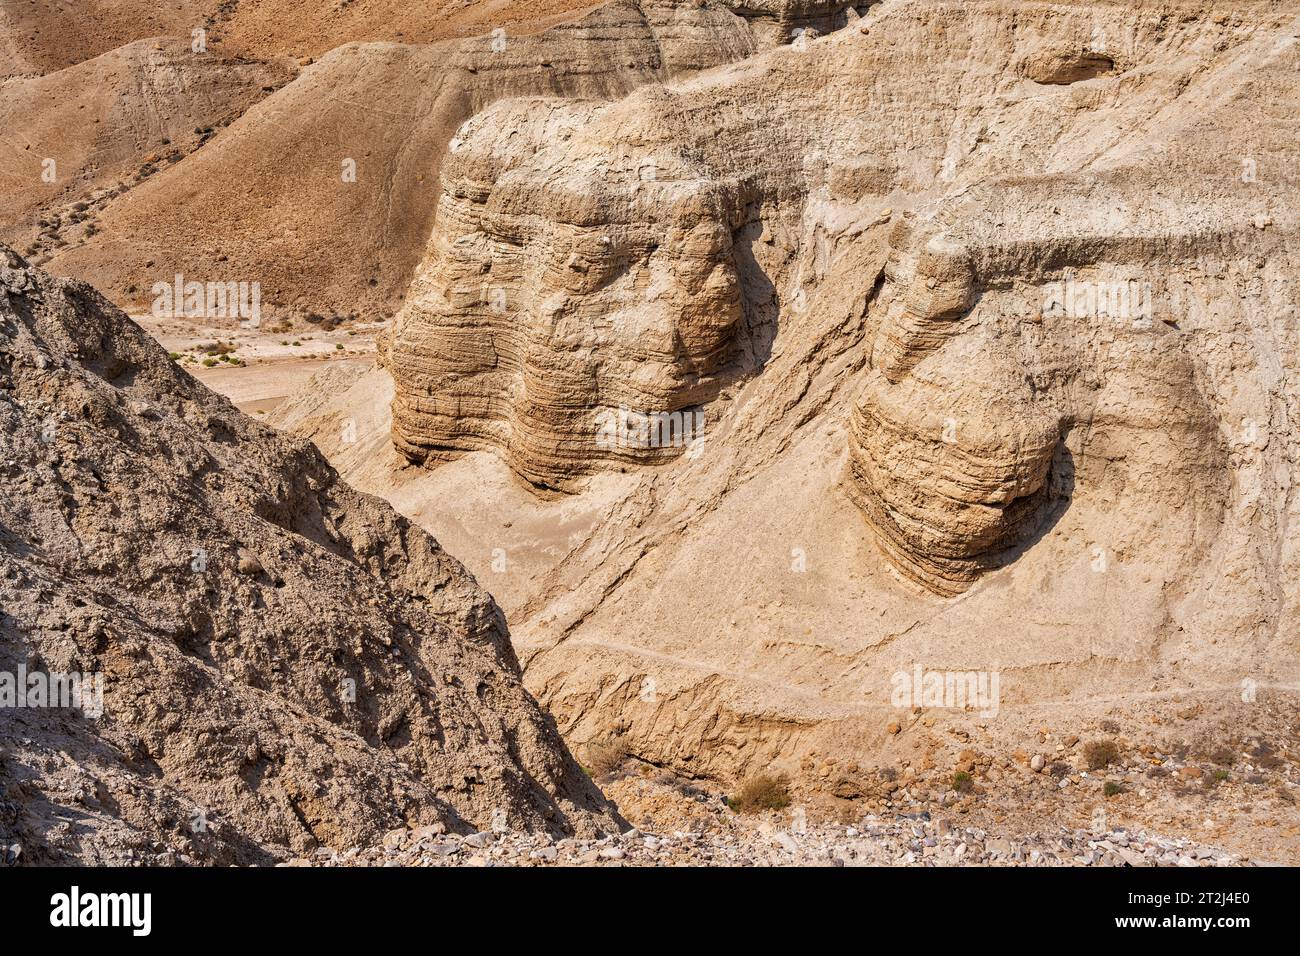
991, 300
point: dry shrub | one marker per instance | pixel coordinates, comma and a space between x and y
1220, 748
1100, 753
1263, 755
603, 757
761, 792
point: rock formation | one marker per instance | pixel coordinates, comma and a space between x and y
550, 304
986, 294
286, 663
358, 138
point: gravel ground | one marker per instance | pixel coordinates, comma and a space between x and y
904, 841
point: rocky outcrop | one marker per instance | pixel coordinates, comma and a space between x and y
556, 310
285, 663
1013, 328
581, 320
781, 21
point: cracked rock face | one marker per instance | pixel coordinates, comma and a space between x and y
286, 663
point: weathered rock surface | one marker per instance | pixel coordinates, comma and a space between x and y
551, 301
1018, 332
287, 663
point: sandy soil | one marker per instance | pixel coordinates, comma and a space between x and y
262, 367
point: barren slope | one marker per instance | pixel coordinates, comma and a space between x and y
44, 37
49, 35
287, 663
324, 192
74, 140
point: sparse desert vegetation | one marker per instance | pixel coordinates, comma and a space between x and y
761, 792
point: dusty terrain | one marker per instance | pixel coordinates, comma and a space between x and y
1200, 794
758, 358
257, 369
152, 534
324, 191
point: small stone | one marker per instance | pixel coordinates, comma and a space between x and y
1037, 762
893, 727
1131, 857
425, 832
248, 563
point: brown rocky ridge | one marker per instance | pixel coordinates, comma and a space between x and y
286, 663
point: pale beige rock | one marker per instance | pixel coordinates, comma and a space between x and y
927, 210
550, 304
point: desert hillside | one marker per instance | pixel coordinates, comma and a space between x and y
286, 664
357, 139
761, 365
921, 439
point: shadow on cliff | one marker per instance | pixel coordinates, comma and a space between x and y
759, 303
1057, 495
